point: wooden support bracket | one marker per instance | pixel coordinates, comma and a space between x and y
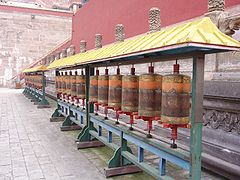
128, 169
70, 128
43, 106
89, 144
57, 119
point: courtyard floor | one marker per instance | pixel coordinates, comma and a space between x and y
33, 148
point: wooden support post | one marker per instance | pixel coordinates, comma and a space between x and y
84, 139
196, 119
43, 103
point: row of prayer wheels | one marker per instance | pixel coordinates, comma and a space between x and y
70, 87
34, 81
148, 95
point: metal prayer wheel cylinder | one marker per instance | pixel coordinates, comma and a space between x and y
80, 86
59, 84
150, 95
68, 84
63, 84
115, 91
39, 80
130, 85
73, 85
176, 99
56, 82
103, 85
93, 94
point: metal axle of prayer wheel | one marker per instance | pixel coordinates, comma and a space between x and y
73, 87
80, 90
103, 86
150, 96
129, 105
93, 94
175, 102
115, 93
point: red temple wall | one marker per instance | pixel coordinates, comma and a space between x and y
102, 16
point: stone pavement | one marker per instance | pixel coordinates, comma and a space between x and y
33, 148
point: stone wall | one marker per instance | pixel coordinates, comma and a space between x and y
25, 37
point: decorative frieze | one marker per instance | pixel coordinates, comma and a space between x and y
154, 20
52, 58
57, 55
48, 60
227, 121
43, 61
216, 5
63, 53
98, 41
71, 50
75, 6
119, 33
83, 46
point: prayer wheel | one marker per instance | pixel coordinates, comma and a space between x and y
103, 86
130, 84
115, 91
80, 86
93, 95
36, 81
32, 81
40, 81
57, 81
61, 84
68, 84
175, 99
73, 85
64, 84
29, 80
150, 95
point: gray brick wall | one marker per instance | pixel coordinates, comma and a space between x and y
24, 38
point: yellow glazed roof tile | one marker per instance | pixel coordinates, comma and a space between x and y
201, 32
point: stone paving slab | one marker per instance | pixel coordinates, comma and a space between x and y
33, 148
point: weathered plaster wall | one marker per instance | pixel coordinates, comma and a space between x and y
25, 37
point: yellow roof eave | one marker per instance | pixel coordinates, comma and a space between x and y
40, 68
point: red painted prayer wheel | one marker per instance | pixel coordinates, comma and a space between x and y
80, 86
34, 81
58, 84
103, 85
175, 99
115, 91
64, 83
150, 95
73, 85
130, 84
68, 84
39, 81
60, 79
93, 95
